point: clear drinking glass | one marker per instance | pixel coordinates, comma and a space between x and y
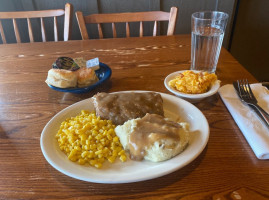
208, 29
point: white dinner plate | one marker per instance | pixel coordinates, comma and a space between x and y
129, 171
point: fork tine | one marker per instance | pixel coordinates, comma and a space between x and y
241, 89
250, 90
246, 90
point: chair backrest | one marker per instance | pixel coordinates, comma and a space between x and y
127, 18
67, 12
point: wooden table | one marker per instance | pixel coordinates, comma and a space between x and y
226, 169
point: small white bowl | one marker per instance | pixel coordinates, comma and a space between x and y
190, 97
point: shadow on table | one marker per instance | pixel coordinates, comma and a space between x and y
208, 103
67, 98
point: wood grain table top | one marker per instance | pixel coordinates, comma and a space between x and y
226, 169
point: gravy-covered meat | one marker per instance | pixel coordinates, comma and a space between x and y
121, 107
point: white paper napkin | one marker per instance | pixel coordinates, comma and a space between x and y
252, 127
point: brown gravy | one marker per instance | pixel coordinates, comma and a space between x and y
120, 107
149, 129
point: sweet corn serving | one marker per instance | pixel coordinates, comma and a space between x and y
193, 83
89, 139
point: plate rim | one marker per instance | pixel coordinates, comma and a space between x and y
128, 180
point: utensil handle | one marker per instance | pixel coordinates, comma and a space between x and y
263, 113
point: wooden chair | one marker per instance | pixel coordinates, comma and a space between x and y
67, 12
127, 18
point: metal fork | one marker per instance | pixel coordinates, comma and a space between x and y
248, 97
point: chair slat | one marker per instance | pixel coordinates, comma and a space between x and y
16, 30
114, 30
101, 36
55, 30
155, 28
43, 32
130, 17
82, 26
172, 21
2, 33
127, 29
68, 16
141, 29
30, 30
32, 14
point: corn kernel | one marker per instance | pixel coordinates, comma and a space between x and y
112, 159
81, 161
88, 139
122, 152
123, 158
115, 139
91, 154
98, 152
93, 162
109, 137
98, 165
84, 154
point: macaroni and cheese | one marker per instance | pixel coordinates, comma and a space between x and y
193, 83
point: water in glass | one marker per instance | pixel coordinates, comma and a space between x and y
206, 46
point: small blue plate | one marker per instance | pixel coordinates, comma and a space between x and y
103, 74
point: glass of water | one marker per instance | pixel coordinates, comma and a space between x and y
208, 29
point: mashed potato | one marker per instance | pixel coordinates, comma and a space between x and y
193, 83
154, 137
